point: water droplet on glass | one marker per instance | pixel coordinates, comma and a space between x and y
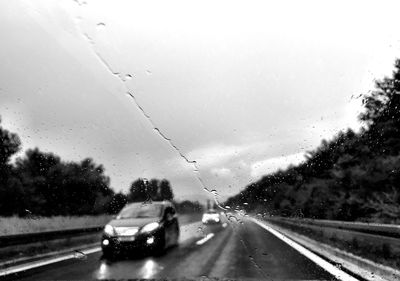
79, 255
30, 215
214, 192
200, 230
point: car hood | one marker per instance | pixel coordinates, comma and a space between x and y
132, 222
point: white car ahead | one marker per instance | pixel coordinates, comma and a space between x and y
211, 216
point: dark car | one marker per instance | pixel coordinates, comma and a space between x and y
141, 227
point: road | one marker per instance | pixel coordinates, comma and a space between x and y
238, 251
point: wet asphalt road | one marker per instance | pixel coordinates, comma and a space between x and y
237, 251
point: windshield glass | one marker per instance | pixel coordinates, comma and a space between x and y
269, 130
140, 211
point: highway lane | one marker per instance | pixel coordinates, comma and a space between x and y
238, 251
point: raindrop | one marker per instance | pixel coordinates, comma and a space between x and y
148, 72
80, 255
232, 218
148, 200
128, 76
338, 265
200, 230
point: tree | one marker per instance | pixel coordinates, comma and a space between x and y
382, 105
11, 192
354, 176
54, 187
117, 202
189, 207
166, 190
40, 183
137, 191
10, 144
153, 189
382, 114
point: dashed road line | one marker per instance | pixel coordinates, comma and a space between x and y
205, 239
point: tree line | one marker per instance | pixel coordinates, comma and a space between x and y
354, 176
41, 183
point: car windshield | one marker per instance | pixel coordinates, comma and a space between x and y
200, 140
140, 211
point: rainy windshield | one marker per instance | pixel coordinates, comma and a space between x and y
200, 140
140, 211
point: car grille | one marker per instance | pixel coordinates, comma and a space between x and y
126, 231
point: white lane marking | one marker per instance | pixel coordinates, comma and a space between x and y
23, 267
339, 274
150, 269
205, 239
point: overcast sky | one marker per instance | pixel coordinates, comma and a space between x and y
242, 88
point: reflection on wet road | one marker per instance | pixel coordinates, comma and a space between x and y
148, 268
229, 250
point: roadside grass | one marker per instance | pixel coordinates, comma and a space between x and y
17, 225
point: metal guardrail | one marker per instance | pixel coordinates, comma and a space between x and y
387, 230
27, 238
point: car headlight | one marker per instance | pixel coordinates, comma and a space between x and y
108, 229
150, 227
